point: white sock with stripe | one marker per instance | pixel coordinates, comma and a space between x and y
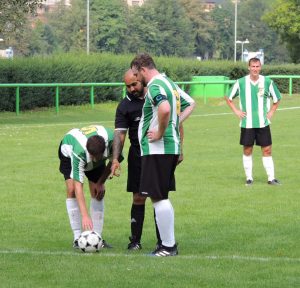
97, 214
269, 167
74, 216
248, 165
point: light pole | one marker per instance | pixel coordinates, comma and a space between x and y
235, 26
88, 27
242, 42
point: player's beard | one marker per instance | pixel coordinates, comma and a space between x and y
143, 81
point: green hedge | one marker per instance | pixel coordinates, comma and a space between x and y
107, 68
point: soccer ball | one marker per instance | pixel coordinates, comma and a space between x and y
89, 241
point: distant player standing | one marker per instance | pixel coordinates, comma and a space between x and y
159, 139
255, 113
84, 152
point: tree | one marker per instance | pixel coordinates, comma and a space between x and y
108, 25
285, 19
68, 26
260, 36
160, 28
203, 28
13, 15
223, 17
41, 40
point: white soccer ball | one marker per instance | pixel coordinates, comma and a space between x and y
90, 241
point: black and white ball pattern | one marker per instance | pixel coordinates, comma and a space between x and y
90, 241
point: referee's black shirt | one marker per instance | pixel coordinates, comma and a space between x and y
128, 116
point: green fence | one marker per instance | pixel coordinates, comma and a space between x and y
222, 86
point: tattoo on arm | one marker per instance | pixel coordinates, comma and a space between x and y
119, 139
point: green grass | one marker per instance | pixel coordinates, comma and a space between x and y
229, 235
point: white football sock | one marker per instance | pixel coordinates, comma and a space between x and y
248, 165
97, 214
164, 213
269, 167
74, 216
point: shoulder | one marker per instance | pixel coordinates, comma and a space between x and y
125, 102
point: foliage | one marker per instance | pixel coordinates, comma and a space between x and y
285, 19
68, 25
203, 28
108, 25
171, 27
224, 21
107, 68
259, 34
14, 14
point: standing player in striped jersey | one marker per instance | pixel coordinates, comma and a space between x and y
255, 113
159, 139
84, 152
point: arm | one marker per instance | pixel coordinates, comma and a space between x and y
181, 131
240, 114
187, 104
272, 110
87, 223
163, 113
186, 112
118, 144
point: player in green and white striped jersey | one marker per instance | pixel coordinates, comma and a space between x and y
179, 101
165, 107
255, 93
84, 152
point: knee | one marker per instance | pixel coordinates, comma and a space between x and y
138, 199
267, 151
248, 150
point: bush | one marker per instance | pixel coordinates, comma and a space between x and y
107, 68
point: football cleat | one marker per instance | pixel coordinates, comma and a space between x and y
105, 245
75, 244
134, 246
163, 251
274, 182
249, 182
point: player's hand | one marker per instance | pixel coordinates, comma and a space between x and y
270, 114
153, 135
180, 159
100, 192
241, 114
115, 169
87, 223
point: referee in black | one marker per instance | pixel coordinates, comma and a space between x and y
128, 115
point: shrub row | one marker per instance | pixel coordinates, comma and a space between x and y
107, 68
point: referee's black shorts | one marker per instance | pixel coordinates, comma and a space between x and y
134, 169
259, 136
157, 177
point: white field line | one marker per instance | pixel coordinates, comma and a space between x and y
200, 257
73, 124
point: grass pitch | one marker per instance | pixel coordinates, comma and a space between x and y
229, 235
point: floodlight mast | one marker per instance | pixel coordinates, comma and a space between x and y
88, 27
235, 28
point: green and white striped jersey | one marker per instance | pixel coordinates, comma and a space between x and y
74, 147
254, 99
178, 100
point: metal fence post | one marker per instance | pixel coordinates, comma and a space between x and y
92, 96
18, 100
57, 99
